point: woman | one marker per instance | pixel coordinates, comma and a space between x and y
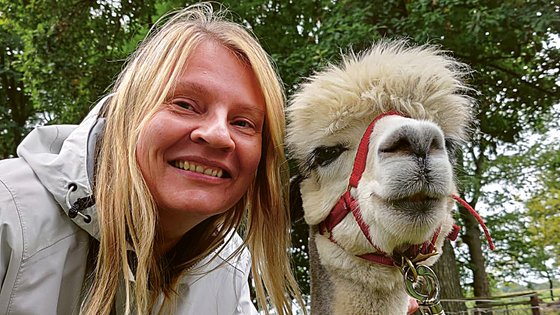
136, 210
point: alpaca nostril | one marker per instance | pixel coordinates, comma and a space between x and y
428, 146
437, 143
400, 145
403, 141
420, 141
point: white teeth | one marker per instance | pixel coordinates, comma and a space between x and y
189, 166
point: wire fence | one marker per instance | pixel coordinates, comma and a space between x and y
544, 302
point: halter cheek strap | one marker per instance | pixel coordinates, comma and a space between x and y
347, 204
363, 148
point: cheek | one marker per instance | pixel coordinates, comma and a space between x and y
143, 161
250, 154
253, 158
159, 134
143, 145
150, 145
141, 150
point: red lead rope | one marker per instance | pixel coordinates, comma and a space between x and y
347, 204
478, 218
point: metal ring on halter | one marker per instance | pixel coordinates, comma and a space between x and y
406, 266
426, 291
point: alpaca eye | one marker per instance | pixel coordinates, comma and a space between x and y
323, 155
451, 146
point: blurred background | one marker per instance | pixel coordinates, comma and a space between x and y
57, 58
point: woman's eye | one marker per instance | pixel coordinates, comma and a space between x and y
184, 104
243, 123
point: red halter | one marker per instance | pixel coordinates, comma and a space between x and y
347, 203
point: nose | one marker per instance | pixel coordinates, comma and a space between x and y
420, 139
214, 132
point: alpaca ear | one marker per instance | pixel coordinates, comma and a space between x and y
296, 203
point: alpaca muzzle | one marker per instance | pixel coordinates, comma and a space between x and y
347, 204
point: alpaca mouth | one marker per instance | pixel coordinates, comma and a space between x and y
419, 197
419, 203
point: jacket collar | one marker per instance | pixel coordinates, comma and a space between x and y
62, 155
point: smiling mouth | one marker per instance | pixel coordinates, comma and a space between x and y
199, 168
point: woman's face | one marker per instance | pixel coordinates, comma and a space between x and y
200, 152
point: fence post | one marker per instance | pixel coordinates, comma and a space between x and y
535, 309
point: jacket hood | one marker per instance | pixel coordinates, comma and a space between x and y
62, 158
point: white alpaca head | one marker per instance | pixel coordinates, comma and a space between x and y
404, 194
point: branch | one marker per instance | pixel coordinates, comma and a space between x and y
478, 170
513, 73
508, 71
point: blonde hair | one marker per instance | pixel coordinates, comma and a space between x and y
128, 215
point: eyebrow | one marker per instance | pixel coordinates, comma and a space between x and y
191, 86
201, 89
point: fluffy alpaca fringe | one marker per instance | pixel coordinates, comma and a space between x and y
422, 82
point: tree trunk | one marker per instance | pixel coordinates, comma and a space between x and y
550, 285
471, 237
449, 279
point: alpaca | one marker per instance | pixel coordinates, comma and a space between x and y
398, 199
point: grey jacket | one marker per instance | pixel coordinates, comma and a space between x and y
43, 251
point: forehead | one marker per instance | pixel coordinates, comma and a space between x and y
210, 56
214, 71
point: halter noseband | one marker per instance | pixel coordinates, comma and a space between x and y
347, 203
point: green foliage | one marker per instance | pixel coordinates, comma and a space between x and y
544, 208
71, 50
524, 212
15, 108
